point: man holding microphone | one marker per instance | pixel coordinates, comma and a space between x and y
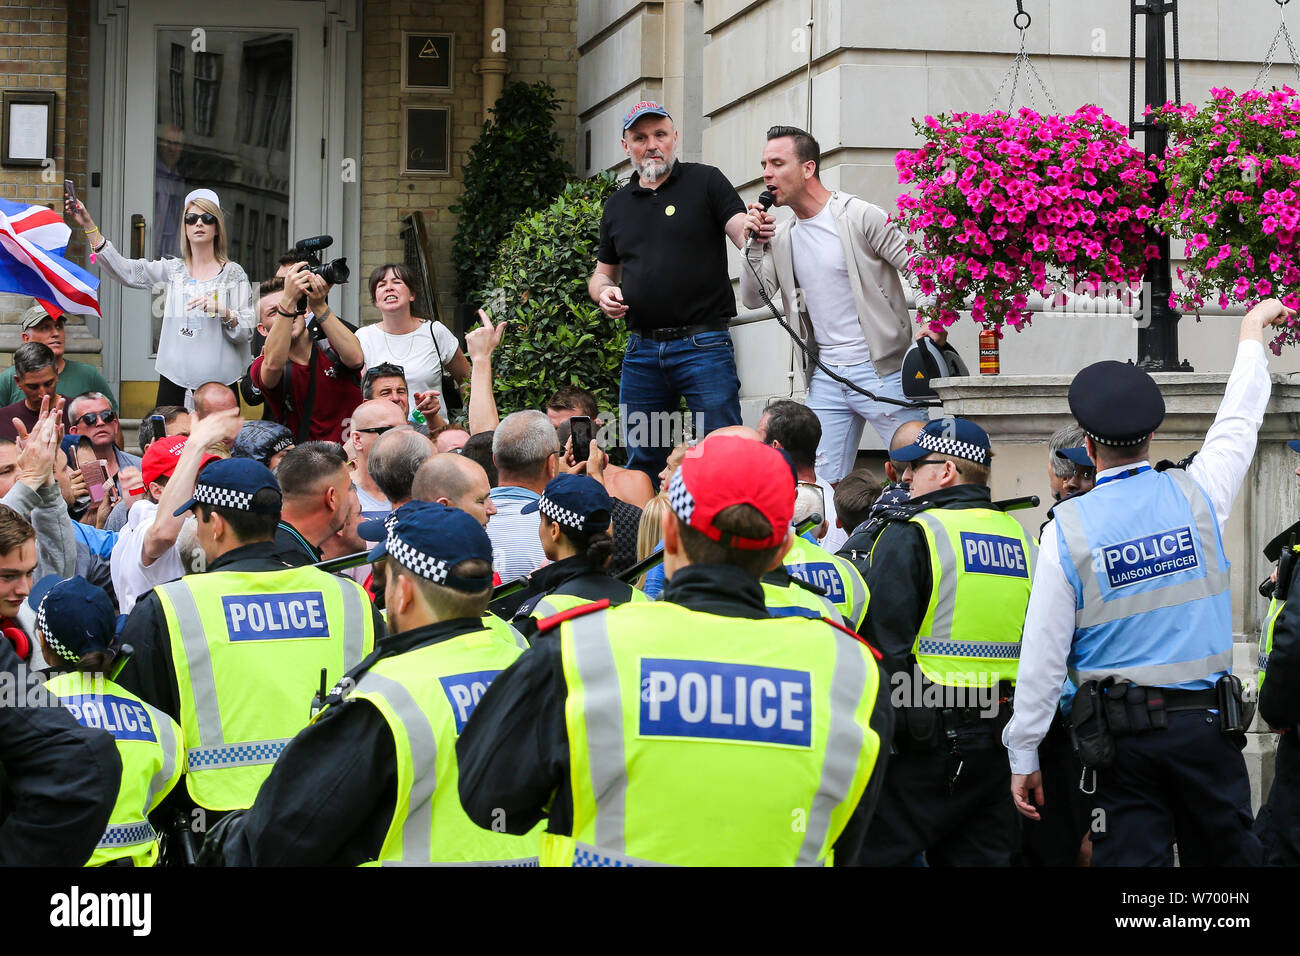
836, 265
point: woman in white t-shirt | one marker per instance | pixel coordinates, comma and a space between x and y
424, 349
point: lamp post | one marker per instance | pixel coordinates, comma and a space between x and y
1158, 338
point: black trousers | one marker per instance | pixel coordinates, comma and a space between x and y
1066, 812
1278, 825
974, 825
1186, 784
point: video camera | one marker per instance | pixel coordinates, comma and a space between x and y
335, 272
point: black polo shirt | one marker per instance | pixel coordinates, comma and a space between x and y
670, 242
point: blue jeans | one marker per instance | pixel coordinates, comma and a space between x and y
843, 412
656, 375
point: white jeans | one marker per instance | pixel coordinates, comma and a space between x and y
842, 413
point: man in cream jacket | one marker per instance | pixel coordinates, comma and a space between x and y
835, 263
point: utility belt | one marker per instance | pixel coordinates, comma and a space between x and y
971, 728
1105, 710
680, 332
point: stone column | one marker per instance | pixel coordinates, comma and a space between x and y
1021, 412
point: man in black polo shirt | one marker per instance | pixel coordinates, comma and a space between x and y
662, 267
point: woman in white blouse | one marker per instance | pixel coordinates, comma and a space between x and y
424, 349
208, 314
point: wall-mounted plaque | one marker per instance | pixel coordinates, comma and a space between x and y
427, 62
426, 140
28, 127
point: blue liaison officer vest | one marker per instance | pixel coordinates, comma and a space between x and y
1150, 577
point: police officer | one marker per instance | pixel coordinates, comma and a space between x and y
373, 777
682, 731
834, 576
1132, 597
950, 578
235, 654
1278, 824
575, 535
75, 622
58, 780
1059, 836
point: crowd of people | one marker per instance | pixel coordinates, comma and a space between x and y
383, 624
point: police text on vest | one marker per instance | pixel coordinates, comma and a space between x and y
275, 617
820, 574
1148, 557
464, 691
993, 554
712, 700
125, 719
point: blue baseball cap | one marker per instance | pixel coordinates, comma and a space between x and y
579, 502
231, 483
1077, 456
430, 539
375, 527
75, 616
956, 437
261, 441
1293, 445
644, 108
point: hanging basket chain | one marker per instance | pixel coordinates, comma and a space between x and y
1022, 63
1283, 33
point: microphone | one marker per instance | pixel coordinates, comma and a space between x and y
765, 199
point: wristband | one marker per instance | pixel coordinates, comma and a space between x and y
287, 315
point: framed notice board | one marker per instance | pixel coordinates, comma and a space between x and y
426, 140
427, 62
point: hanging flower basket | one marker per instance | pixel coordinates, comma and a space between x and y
1233, 174
1010, 204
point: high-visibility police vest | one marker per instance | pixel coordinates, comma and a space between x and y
1275, 608
834, 575
426, 696
1150, 578
555, 603
793, 600
504, 630
153, 759
981, 565
696, 739
249, 647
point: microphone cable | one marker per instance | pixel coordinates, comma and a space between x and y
776, 314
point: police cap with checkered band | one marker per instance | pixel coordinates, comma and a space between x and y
955, 437
430, 539
578, 502
1116, 403
728, 470
231, 484
75, 616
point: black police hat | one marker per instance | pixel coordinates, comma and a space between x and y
1116, 403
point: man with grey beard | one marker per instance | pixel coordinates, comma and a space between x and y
662, 267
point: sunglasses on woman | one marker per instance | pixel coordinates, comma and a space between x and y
90, 418
193, 217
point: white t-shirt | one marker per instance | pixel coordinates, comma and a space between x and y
130, 578
369, 505
823, 278
415, 353
835, 537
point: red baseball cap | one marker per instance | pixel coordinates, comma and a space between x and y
730, 470
161, 458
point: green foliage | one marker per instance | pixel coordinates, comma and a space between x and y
557, 335
515, 166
